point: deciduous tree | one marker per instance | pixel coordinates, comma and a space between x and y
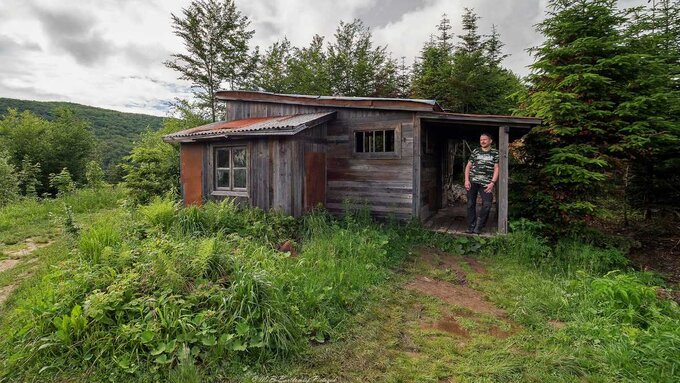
216, 37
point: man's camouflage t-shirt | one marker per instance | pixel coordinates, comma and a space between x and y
482, 165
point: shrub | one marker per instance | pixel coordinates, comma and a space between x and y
624, 296
9, 184
94, 242
94, 175
160, 212
28, 178
62, 182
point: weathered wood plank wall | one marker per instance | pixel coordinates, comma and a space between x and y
383, 185
276, 171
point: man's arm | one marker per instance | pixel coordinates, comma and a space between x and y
494, 179
467, 175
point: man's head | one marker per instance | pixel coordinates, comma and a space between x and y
485, 141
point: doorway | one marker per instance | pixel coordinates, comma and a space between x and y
445, 149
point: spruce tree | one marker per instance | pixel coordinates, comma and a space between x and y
433, 69
356, 67
578, 79
648, 143
466, 77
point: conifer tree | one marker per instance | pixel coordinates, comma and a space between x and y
578, 79
648, 143
465, 77
356, 67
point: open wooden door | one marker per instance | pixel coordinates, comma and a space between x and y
315, 180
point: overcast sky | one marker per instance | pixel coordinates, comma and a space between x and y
110, 53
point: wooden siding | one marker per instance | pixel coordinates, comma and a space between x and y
275, 172
383, 185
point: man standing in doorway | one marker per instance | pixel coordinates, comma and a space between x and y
481, 174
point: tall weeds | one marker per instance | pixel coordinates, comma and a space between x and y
167, 289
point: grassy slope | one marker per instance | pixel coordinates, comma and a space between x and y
41, 223
115, 130
563, 320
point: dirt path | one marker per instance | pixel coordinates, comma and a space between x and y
470, 303
16, 257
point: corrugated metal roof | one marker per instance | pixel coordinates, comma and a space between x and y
279, 125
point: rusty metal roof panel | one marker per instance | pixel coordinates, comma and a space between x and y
331, 101
278, 125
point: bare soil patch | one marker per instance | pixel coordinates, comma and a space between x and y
8, 264
5, 292
29, 247
475, 265
450, 325
556, 324
457, 295
15, 258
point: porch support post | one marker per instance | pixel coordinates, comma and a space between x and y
503, 142
416, 166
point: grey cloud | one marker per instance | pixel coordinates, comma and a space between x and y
145, 55
74, 32
158, 106
28, 93
268, 29
13, 56
10, 46
384, 12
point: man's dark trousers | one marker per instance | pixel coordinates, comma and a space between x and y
487, 198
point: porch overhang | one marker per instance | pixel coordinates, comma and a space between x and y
481, 119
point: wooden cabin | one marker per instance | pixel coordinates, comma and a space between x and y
397, 157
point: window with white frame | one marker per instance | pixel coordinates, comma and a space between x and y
231, 170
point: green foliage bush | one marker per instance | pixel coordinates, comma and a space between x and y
9, 184
94, 175
152, 168
181, 292
62, 182
67, 142
617, 323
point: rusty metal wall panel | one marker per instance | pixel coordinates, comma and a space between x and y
315, 179
191, 165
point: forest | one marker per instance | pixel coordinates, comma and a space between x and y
106, 276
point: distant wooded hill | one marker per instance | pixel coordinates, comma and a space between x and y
115, 131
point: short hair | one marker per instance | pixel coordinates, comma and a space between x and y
486, 134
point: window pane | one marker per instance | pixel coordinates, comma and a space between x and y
240, 178
359, 141
368, 142
223, 179
379, 141
222, 158
389, 140
239, 157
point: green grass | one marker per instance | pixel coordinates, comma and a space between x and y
570, 321
40, 219
164, 293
